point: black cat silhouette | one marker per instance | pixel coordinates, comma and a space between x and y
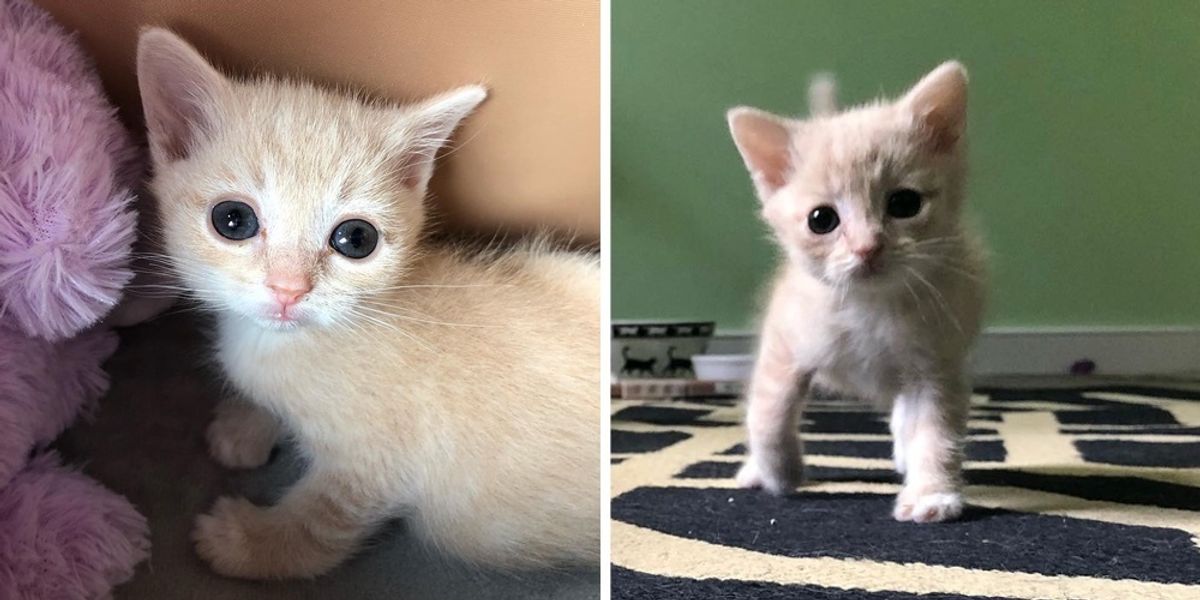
634, 366
677, 366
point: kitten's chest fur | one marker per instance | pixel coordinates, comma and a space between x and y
293, 375
870, 353
875, 347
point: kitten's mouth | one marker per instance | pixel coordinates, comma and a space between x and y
873, 269
280, 324
281, 319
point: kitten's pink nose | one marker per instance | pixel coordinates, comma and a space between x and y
288, 289
868, 253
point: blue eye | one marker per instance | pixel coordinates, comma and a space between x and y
235, 220
354, 238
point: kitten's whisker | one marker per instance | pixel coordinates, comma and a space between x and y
407, 334
377, 309
402, 308
957, 238
916, 299
436, 286
937, 295
160, 286
940, 261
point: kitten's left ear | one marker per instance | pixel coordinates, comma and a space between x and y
939, 102
426, 127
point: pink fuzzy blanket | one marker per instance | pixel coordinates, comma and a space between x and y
66, 231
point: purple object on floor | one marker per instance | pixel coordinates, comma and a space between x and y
66, 231
1083, 367
65, 536
44, 387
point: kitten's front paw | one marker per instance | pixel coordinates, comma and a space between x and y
928, 506
239, 539
241, 438
777, 481
224, 537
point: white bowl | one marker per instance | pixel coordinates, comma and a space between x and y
723, 367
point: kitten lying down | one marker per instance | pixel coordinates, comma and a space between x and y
460, 392
882, 290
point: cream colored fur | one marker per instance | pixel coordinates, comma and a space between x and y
896, 331
455, 389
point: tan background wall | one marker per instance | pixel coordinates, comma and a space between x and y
529, 157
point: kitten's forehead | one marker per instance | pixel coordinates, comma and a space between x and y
300, 147
860, 143
304, 126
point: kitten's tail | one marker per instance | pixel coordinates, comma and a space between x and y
822, 95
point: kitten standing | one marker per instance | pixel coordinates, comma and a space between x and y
882, 291
458, 391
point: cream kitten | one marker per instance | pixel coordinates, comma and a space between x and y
460, 392
882, 291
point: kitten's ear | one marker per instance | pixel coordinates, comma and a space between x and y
765, 142
426, 127
939, 102
180, 93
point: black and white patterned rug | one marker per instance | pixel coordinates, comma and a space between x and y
1073, 493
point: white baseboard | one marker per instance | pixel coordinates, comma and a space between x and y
1118, 351
1115, 351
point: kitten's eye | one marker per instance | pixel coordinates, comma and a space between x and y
823, 219
903, 203
355, 238
235, 220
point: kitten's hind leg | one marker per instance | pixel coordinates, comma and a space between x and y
241, 434
929, 423
775, 461
318, 524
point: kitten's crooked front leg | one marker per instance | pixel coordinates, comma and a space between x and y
318, 524
775, 462
241, 434
929, 424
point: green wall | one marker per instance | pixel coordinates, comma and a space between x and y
1085, 133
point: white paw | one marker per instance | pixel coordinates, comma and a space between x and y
241, 440
928, 507
747, 476
238, 539
223, 537
752, 476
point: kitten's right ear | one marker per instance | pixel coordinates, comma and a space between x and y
764, 141
180, 93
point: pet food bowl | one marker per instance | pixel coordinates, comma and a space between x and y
657, 349
723, 367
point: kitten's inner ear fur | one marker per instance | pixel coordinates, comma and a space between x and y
939, 102
180, 93
765, 141
423, 129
